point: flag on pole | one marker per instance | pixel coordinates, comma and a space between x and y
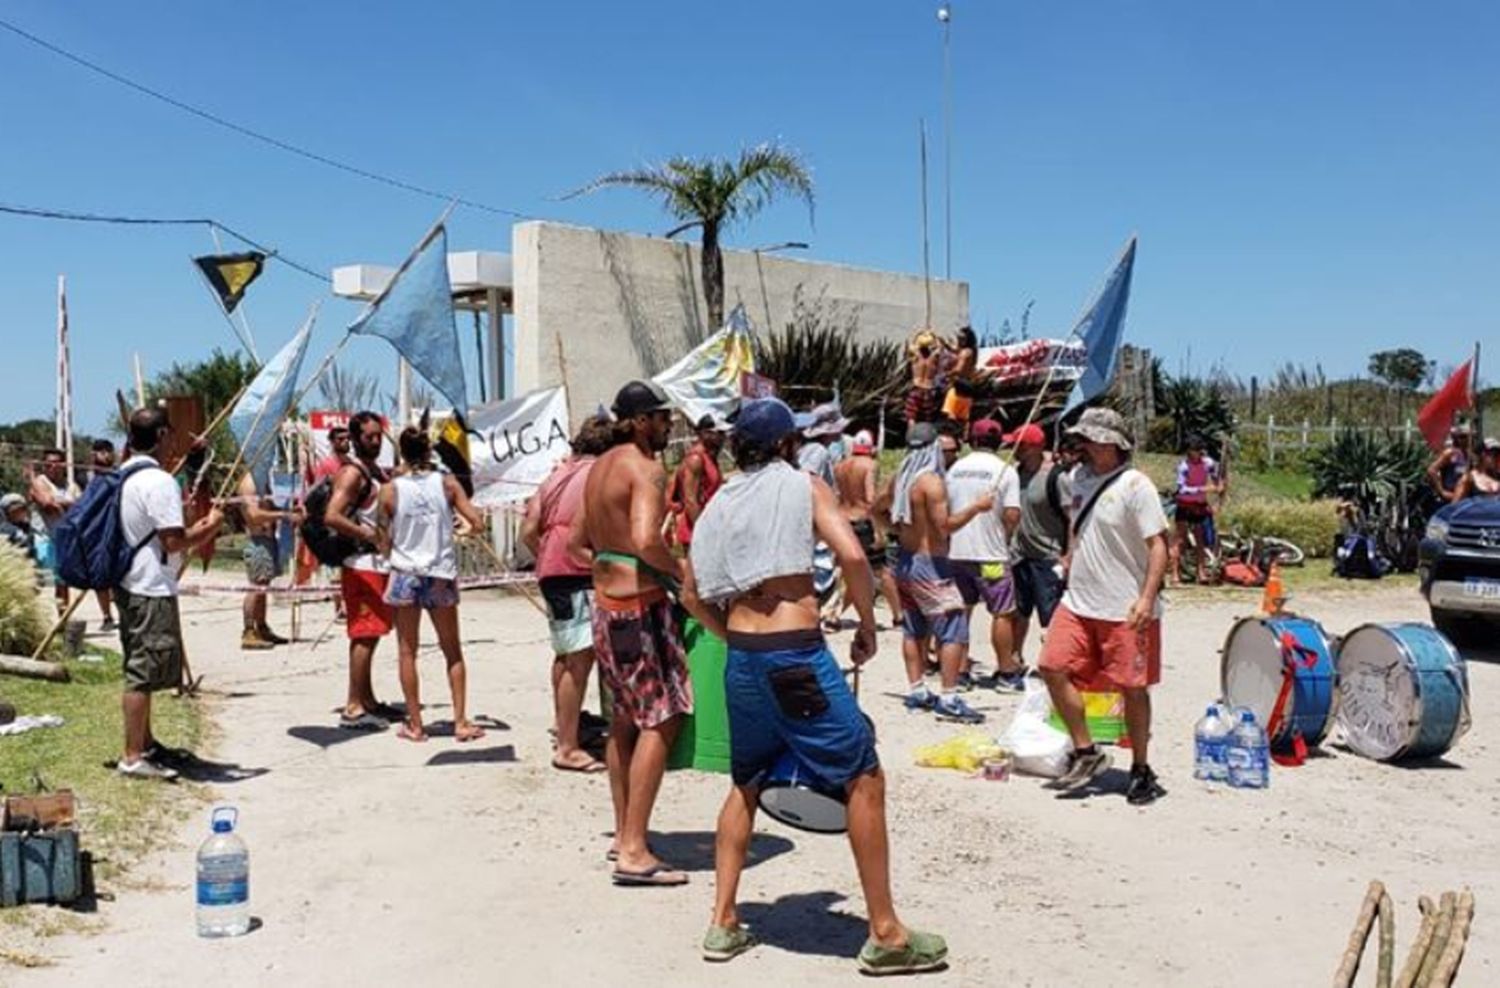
257, 416
64, 430
1102, 328
230, 274
1436, 417
708, 380
415, 315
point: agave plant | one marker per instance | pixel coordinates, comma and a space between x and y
1197, 408
1369, 468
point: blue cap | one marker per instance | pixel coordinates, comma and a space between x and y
764, 421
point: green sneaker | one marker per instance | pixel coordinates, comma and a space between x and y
923, 952
722, 943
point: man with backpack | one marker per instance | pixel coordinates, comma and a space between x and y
1041, 537
153, 538
351, 514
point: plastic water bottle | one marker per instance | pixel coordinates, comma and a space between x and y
1211, 746
1249, 754
223, 879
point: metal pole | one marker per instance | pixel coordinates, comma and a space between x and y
945, 14
403, 392
479, 356
926, 262
1478, 398
496, 329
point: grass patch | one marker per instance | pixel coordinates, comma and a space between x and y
119, 818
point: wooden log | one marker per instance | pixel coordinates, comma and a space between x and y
1349, 966
1387, 941
1447, 965
1446, 907
19, 665
1419, 947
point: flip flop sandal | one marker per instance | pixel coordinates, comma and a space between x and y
364, 722
662, 875
405, 733
474, 733
591, 767
613, 855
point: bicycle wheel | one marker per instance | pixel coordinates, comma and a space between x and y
1287, 553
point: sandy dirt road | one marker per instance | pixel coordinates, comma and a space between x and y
379, 861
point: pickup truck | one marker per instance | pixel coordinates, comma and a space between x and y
1460, 566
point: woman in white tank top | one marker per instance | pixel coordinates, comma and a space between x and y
417, 509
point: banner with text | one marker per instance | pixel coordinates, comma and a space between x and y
516, 443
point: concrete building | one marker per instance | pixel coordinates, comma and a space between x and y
593, 309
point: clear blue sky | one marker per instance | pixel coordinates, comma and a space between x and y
1310, 182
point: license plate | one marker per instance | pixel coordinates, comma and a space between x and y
1484, 589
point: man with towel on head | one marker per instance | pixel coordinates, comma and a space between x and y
749, 580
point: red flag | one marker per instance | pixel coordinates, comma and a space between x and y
1436, 417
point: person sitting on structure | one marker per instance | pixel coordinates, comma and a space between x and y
925, 396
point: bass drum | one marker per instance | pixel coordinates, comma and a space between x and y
1254, 670
792, 795
1403, 692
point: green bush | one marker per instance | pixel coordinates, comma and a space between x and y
23, 619
1312, 525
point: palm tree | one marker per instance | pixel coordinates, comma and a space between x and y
711, 193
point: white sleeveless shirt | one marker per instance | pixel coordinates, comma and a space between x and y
422, 530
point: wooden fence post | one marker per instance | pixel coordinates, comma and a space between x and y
1305, 424
1270, 440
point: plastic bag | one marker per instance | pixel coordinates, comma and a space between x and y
1038, 747
965, 752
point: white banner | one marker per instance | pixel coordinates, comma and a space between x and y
515, 444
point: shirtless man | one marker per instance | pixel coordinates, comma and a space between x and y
854, 480
636, 638
52, 496
924, 399
263, 562
917, 503
783, 688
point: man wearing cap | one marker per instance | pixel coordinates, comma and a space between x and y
1041, 538
933, 607
636, 639
820, 427
783, 690
15, 524
696, 480
981, 549
1109, 625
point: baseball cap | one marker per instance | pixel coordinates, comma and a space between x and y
921, 434
864, 443
1029, 434
987, 429
640, 398
764, 421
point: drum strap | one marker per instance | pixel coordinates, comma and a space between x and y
1293, 653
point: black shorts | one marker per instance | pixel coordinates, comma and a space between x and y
151, 638
1038, 588
1193, 512
870, 543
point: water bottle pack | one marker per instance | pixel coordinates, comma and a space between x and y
1211, 745
223, 879
1233, 748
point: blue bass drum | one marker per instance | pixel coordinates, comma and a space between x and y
790, 795
1403, 692
1254, 669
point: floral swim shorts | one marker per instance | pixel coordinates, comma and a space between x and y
414, 590
641, 658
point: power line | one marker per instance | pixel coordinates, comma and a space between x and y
244, 131
77, 217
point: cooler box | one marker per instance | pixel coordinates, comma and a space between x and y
1104, 712
703, 742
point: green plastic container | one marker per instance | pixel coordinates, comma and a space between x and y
703, 743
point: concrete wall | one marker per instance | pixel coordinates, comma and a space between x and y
609, 307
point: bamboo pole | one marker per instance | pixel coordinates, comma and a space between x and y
1447, 965
1349, 966
1446, 907
1408, 976
62, 620
1387, 954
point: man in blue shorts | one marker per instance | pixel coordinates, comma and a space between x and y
783, 688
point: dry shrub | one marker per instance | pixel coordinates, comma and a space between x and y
23, 619
1312, 525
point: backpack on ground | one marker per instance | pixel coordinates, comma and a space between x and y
1358, 558
329, 547
89, 543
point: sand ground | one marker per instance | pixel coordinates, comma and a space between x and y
379, 861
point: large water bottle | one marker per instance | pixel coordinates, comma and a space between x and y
223, 879
1211, 746
1249, 754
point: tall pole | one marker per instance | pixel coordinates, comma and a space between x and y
64, 431
403, 393
1478, 399
926, 262
945, 15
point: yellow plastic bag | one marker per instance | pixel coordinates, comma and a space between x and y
964, 752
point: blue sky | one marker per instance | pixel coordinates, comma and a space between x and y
1310, 182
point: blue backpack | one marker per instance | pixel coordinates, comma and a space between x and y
89, 543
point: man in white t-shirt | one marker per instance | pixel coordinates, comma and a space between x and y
1107, 632
980, 550
150, 629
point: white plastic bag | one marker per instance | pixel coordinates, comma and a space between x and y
1038, 747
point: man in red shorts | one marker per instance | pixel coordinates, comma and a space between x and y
1107, 631
352, 514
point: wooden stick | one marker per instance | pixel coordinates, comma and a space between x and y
17, 665
1387, 955
1349, 967
1446, 907
1408, 976
1447, 965
58, 626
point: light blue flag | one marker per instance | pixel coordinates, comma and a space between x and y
1102, 328
415, 313
256, 419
